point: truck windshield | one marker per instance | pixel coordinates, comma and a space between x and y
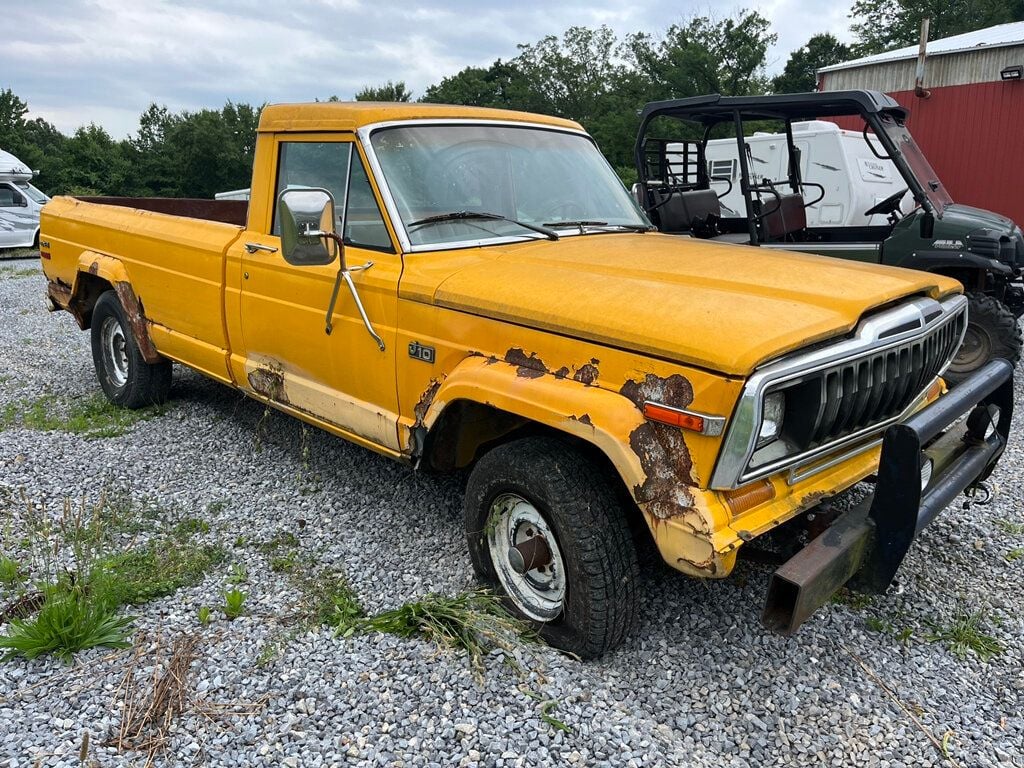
528, 175
918, 163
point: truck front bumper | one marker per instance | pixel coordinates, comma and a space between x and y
865, 546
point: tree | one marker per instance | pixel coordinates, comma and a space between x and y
389, 91
820, 51
499, 85
881, 25
12, 118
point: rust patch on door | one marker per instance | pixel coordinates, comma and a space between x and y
562, 372
661, 449
136, 316
425, 401
268, 380
527, 366
584, 419
588, 372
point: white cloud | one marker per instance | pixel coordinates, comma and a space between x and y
107, 60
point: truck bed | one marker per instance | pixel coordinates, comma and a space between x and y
171, 251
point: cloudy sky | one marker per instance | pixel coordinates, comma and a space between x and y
104, 61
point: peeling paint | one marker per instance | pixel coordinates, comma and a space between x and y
425, 401
527, 367
584, 419
588, 372
94, 268
136, 317
662, 451
562, 372
268, 380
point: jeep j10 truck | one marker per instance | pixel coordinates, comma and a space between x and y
472, 288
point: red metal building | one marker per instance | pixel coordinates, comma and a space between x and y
969, 116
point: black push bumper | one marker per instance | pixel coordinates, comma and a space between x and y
865, 546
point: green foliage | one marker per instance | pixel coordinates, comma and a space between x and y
159, 569
965, 634
10, 572
234, 602
881, 25
67, 622
285, 563
239, 574
91, 417
329, 600
389, 91
1010, 527
190, 526
475, 622
546, 708
203, 614
820, 51
1014, 554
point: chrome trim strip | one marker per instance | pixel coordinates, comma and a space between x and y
870, 338
363, 133
803, 471
713, 425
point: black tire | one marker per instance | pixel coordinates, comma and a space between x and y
992, 331
591, 533
125, 377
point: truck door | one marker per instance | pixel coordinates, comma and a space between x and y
343, 379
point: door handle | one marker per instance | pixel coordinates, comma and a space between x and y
253, 247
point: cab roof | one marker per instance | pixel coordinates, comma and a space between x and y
350, 115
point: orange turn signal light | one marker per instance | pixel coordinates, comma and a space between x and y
674, 417
749, 496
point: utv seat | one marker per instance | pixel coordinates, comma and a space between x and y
785, 215
685, 211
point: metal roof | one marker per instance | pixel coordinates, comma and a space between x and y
992, 37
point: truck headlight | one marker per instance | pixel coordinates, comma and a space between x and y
773, 410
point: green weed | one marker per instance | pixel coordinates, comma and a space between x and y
91, 417
965, 634
284, 563
161, 568
190, 526
234, 602
1014, 554
66, 623
1007, 526
475, 622
203, 614
10, 572
239, 574
546, 708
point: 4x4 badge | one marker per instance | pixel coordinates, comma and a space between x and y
419, 352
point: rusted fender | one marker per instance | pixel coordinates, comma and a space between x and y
684, 528
112, 271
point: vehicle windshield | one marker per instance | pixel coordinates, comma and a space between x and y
918, 163
530, 175
31, 191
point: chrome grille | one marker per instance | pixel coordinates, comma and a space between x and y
844, 393
880, 386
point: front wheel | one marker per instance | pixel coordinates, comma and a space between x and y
545, 528
992, 331
125, 376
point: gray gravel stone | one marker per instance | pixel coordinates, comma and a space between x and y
700, 683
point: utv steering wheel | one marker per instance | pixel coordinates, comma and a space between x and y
891, 204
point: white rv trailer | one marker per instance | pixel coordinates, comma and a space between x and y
841, 161
20, 203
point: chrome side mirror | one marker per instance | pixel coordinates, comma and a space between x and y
307, 227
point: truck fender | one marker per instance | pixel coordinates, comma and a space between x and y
97, 273
657, 478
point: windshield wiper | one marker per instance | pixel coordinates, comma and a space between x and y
581, 223
460, 215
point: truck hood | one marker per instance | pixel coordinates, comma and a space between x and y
968, 217
722, 307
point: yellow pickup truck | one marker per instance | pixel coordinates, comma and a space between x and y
471, 288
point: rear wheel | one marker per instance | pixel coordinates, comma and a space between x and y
992, 331
125, 377
545, 528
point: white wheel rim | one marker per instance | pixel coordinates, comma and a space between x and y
114, 344
539, 593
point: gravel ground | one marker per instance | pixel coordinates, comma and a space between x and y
699, 683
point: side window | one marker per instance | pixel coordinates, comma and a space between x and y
8, 197
365, 226
304, 164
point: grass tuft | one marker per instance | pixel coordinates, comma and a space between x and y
159, 569
67, 622
965, 634
10, 572
91, 417
475, 622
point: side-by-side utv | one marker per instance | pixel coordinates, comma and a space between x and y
682, 195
